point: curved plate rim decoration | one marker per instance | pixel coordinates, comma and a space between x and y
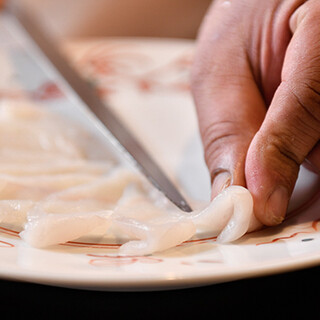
160, 281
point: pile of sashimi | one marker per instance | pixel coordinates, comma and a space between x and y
51, 186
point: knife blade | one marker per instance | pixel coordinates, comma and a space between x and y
141, 158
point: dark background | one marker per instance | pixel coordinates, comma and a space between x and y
292, 295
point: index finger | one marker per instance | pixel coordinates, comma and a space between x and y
229, 104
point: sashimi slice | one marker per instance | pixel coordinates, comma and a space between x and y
51, 229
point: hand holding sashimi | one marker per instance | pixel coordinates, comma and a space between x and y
255, 56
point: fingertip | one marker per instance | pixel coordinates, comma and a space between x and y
270, 179
270, 208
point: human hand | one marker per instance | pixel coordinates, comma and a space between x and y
256, 86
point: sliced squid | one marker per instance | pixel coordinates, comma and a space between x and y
108, 188
65, 166
51, 228
151, 227
228, 216
15, 211
38, 187
77, 211
51, 186
30, 129
155, 229
154, 237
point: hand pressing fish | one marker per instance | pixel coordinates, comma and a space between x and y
57, 193
150, 227
229, 216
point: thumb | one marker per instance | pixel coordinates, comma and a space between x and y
291, 128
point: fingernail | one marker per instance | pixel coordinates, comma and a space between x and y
221, 181
276, 206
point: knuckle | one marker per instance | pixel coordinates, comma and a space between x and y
306, 102
214, 141
309, 97
280, 156
219, 141
280, 146
286, 141
310, 9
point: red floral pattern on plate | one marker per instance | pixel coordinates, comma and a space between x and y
4, 244
110, 260
46, 91
311, 229
108, 66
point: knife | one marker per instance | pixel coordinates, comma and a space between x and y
86, 93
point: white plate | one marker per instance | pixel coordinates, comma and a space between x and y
146, 82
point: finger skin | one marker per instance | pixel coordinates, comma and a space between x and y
313, 159
229, 105
291, 129
236, 70
253, 56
